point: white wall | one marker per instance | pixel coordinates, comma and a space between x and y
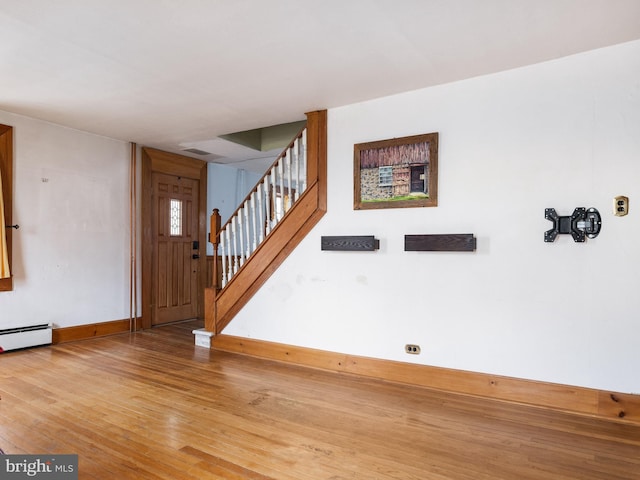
71, 253
226, 188
561, 134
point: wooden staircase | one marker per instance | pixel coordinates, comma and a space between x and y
238, 276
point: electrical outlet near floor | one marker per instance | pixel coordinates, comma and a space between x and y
412, 349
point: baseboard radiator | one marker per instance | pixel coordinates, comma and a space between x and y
24, 337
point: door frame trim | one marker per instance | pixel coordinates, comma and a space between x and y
173, 164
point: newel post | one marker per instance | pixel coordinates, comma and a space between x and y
214, 238
211, 294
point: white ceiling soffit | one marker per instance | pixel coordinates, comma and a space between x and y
166, 73
232, 154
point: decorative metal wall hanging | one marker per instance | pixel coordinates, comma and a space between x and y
581, 224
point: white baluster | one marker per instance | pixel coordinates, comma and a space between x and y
274, 194
223, 257
267, 204
253, 219
241, 237
247, 230
289, 194
234, 236
296, 166
229, 248
303, 154
281, 184
241, 234
260, 214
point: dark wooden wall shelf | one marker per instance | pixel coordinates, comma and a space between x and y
464, 242
351, 243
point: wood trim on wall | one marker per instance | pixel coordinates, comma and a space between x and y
83, 332
6, 173
586, 401
173, 164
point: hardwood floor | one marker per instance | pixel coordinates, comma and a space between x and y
153, 406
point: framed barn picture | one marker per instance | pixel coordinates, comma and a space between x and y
396, 173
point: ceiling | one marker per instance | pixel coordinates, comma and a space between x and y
179, 74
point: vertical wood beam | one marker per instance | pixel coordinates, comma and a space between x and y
6, 171
317, 150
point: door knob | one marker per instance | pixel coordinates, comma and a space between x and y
195, 256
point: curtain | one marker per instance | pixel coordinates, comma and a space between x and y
4, 254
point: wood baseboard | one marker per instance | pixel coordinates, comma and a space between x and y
83, 332
586, 401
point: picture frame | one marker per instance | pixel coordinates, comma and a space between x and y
396, 173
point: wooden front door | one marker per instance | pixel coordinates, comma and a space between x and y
175, 258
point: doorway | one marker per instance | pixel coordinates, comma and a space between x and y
418, 179
175, 254
174, 190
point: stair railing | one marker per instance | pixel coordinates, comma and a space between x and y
280, 211
263, 208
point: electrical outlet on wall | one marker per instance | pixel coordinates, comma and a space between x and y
620, 206
412, 349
